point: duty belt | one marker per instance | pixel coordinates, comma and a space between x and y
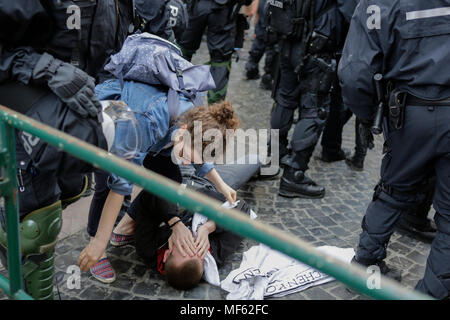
414, 101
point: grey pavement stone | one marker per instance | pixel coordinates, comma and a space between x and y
317, 293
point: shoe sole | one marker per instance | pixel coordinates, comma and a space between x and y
102, 280
299, 195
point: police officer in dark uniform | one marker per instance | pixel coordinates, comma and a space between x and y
219, 17
178, 17
407, 42
155, 17
265, 42
311, 31
339, 113
51, 55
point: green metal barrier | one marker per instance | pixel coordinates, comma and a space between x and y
8, 190
233, 220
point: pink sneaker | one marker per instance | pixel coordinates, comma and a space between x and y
103, 271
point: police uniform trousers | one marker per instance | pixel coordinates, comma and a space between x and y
292, 93
263, 43
417, 151
339, 116
220, 34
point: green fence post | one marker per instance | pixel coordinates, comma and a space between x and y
9, 192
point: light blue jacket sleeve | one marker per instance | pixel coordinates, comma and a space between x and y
203, 169
120, 185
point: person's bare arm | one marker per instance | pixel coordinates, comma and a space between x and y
222, 187
97, 246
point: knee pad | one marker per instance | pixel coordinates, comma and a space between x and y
39, 231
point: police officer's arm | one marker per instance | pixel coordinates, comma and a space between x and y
362, 57
156, 16
23, 24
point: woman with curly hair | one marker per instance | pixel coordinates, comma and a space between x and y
162, 137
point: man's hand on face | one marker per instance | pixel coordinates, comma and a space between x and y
202, 241
182, 239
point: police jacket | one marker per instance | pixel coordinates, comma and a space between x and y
84, 33
324, 22
406, 41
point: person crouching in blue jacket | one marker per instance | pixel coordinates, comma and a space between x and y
157, 133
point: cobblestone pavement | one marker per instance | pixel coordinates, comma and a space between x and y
334, 220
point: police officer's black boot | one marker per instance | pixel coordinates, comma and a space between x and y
266, 82
294, 184
384, 269
251, 69
355, 162
327, 156
283, 150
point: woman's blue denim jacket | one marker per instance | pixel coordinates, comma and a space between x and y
149, 104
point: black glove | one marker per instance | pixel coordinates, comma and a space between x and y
365, 131
71, 84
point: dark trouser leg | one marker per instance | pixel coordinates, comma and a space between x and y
270, 66
191, 38
256, 52
281, 119
378, 225
414, 222
220, 41
287, 97
436, 281
422, 136
307, 131
98, 201
220, 71
332, 133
